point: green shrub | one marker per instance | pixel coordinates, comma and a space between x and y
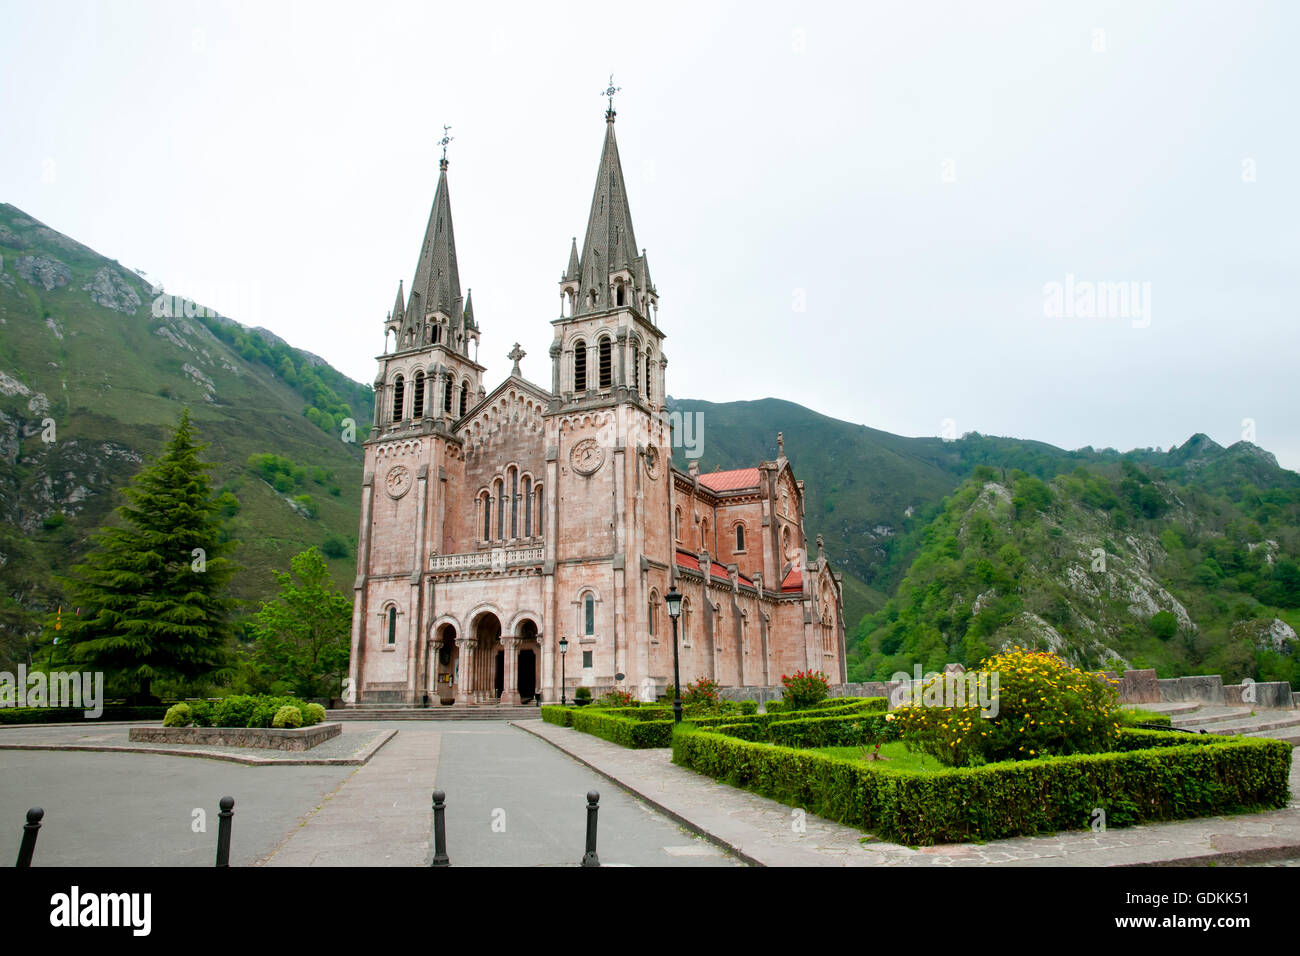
312, 714
1147, 779
1044, 707
617, 698
66, 715
1128, 716
287, 716
178, 715
749, 707
234, 711
703, 691
201, 713
582, 693
805, 688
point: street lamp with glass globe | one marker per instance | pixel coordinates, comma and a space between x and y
564, 649
674, 601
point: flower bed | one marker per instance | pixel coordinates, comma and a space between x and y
1153, 775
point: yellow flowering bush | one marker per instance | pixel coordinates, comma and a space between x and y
1042, 707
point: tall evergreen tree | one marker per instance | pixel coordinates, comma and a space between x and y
153, 592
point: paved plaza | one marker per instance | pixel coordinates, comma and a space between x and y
512, 800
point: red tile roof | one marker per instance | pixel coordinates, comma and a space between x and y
730, 480
692, 563
793, 581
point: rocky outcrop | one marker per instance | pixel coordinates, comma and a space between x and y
49, 274
112, 291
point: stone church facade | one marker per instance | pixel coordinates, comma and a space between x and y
495, 523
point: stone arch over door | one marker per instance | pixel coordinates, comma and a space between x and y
523, 654
485, 630
443, 660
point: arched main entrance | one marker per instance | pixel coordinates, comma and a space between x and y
444, 661
527, 661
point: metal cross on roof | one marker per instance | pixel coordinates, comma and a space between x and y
515, 355
610, 91
443, 143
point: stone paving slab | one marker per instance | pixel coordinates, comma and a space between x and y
353, 747
763, 831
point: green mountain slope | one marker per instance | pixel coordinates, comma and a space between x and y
94, 370
1111, 565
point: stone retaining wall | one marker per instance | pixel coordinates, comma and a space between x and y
266, 738
1135, 687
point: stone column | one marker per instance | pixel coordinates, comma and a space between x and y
465, 646
510, 681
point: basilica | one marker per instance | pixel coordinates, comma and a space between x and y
498, 527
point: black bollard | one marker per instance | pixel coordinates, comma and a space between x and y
30, 829
440, 829
593, 807
223, 830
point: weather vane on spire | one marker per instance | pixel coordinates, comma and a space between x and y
443, 143
610, 91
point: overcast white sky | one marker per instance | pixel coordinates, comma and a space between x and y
914, 173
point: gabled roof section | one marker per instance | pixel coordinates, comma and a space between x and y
731, 480
437, 278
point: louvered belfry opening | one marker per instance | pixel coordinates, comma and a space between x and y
606, 364
580, 366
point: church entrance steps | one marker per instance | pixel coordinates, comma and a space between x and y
1172, 708
455, 712
1279, 724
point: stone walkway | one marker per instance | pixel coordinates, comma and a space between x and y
765, 833
511, 801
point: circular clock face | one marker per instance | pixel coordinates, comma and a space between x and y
652, 461
587, 456
398, 481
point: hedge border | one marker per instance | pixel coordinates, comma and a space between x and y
1150, 780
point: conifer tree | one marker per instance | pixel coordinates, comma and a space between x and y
153, 592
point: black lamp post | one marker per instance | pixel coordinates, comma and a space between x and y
564, 649
674, 601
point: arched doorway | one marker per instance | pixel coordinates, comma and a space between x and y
485, 686
527, 661
445, 659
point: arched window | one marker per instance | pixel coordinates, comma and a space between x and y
417, 396
446, 396
636, 366
529, 530
740, 537
619, 294
606, 363
686, 621
399, 395
437, 333
589, 615
677, 525
464, 398
392, 626
704, 534
652, 617
514, 502
501, 509
541, 512
487, 516
579, 366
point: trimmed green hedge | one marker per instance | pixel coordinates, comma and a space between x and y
1169, 779
65, 715
638, 734
657, 722
854, 730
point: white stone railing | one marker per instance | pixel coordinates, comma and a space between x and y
497, 559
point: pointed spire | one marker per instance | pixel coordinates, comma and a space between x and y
609, 226
399, 307
469, 310
437, 279
574, 269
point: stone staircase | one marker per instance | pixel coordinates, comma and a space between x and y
1279, 724
454, 712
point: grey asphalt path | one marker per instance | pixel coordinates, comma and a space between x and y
514, 800
123, 809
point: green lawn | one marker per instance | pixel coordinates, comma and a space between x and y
894, 756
